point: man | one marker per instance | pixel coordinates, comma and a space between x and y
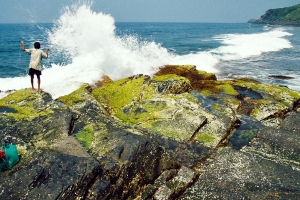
35, 65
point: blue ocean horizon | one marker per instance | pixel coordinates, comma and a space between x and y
83, 51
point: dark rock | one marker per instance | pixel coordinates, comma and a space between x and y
281, 77
45, 176
291, 122
249, 176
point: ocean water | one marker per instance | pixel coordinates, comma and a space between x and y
85, 44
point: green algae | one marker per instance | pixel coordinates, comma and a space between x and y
163, 128
86, 136
167, 77
118, 94
231, 101
144, 111
100, 146
24, 102
191, 98
206, 93
205, 138
216, 107
149, 91
137, 103
228, 89
133, 101
74, 97
220, 109
206, 74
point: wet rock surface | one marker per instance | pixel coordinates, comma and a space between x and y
179, 136
238, 175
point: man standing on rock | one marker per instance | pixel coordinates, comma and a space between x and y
35, 65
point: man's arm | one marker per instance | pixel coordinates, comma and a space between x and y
22, 45
47, 51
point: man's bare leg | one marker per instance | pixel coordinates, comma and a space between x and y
39, 82
31, 79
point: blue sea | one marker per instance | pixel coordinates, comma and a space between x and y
85, 44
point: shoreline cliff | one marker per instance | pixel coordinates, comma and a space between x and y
288, 16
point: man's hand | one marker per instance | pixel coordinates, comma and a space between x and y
47, 50
22, 44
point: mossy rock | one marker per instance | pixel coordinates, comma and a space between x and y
136, 101
171, 84
26, 104
120, 94
197, 78
174, 77
250, 97
188, 71
75, 96
275, 92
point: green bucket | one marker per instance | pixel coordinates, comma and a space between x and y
11, 156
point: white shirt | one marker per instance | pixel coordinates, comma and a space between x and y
36, 58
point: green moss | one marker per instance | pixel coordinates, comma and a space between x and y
191, 98
228, 89
205, 138
149, 91
205, 74
163, 127
295, 94
189, 67
167, 77
86, 136
206, 93
257, 110
23, 102
202, 72
100, 145
232, 101
264, 101
119, 94
216, 107
74, 97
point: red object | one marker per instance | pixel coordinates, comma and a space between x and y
2, 154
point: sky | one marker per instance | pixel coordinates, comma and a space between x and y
218, 11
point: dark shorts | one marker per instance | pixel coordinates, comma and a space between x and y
34, 71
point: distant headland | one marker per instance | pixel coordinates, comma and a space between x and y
288, 16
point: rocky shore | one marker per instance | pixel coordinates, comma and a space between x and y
181, 134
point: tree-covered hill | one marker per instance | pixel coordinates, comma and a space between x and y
281, 16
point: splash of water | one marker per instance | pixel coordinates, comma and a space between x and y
89, 41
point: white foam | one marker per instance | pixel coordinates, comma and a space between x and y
240, 46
